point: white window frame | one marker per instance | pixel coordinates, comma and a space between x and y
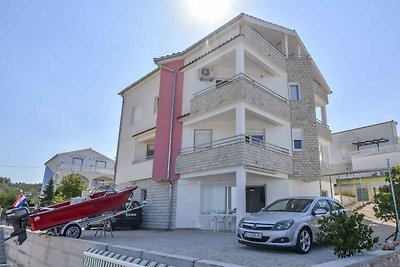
147, 151
298, 91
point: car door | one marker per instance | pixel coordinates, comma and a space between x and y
321, 204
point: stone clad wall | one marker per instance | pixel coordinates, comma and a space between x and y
236, 154
263, 46
156, 209
236, 91
306, 164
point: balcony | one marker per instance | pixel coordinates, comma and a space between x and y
234, 151
376, 150
326, 168
240, 88
324, 131
318, 91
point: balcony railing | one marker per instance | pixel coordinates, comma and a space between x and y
237, 77
234, 151
376, 150
323, 130
234, 140
240, 88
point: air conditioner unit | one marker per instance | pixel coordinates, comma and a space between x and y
206, 74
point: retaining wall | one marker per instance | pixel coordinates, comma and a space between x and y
49, 251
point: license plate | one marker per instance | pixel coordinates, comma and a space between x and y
131, 215
253, 235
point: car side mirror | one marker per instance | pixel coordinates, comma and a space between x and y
319, 212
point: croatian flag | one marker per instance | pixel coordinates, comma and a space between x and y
21, 199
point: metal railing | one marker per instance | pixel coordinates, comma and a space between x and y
323, 123
93, 257
234, 140
237, 77
376, 150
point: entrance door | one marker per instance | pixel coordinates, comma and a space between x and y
255, 198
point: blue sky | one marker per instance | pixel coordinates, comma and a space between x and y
62, 64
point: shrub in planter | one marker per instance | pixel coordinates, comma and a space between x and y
347, 234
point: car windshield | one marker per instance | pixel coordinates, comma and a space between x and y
289, 205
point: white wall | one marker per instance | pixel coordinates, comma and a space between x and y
300, 188
188, 204
342, 141
142, 95
366, 162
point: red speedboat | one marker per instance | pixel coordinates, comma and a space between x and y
68, 218
77, 208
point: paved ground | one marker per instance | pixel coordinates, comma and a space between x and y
224, 246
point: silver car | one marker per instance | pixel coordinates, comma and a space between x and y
288, 222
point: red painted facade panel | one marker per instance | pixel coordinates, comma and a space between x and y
161, 147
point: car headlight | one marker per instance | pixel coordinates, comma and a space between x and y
283, 225
241, 223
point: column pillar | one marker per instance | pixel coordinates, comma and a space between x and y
240, 194
323, 115
239, 59
286, 46
240, 119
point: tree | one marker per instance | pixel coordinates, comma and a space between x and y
5, 180
71, 185
48, 194
384, 207
347, 234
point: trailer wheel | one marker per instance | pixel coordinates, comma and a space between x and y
73, 231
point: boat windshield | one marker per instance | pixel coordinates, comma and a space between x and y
289, 205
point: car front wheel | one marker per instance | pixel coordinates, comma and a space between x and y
304, 240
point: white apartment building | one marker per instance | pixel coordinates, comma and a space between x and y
225, 127
92, 165
366, 148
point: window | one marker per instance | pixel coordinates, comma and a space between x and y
150, 151
77, 164
202, 138
297, 135
294, 92
136, 114
155, 108
218, 200
255, 136
322, 204
335, 205
101, 164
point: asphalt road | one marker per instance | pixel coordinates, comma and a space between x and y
224, 246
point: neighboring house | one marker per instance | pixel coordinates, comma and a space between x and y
366, 148
225, 127
92, 165
355, 151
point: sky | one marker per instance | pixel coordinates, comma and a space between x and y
63, 63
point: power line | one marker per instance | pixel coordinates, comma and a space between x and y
19, 166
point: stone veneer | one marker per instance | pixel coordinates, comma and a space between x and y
156, 209
306, 164
236, 154
241, 89
263, 46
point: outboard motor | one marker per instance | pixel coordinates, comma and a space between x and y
18, 218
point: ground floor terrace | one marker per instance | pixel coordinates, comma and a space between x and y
217, 200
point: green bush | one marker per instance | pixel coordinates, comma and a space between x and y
347, 234
384, 207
